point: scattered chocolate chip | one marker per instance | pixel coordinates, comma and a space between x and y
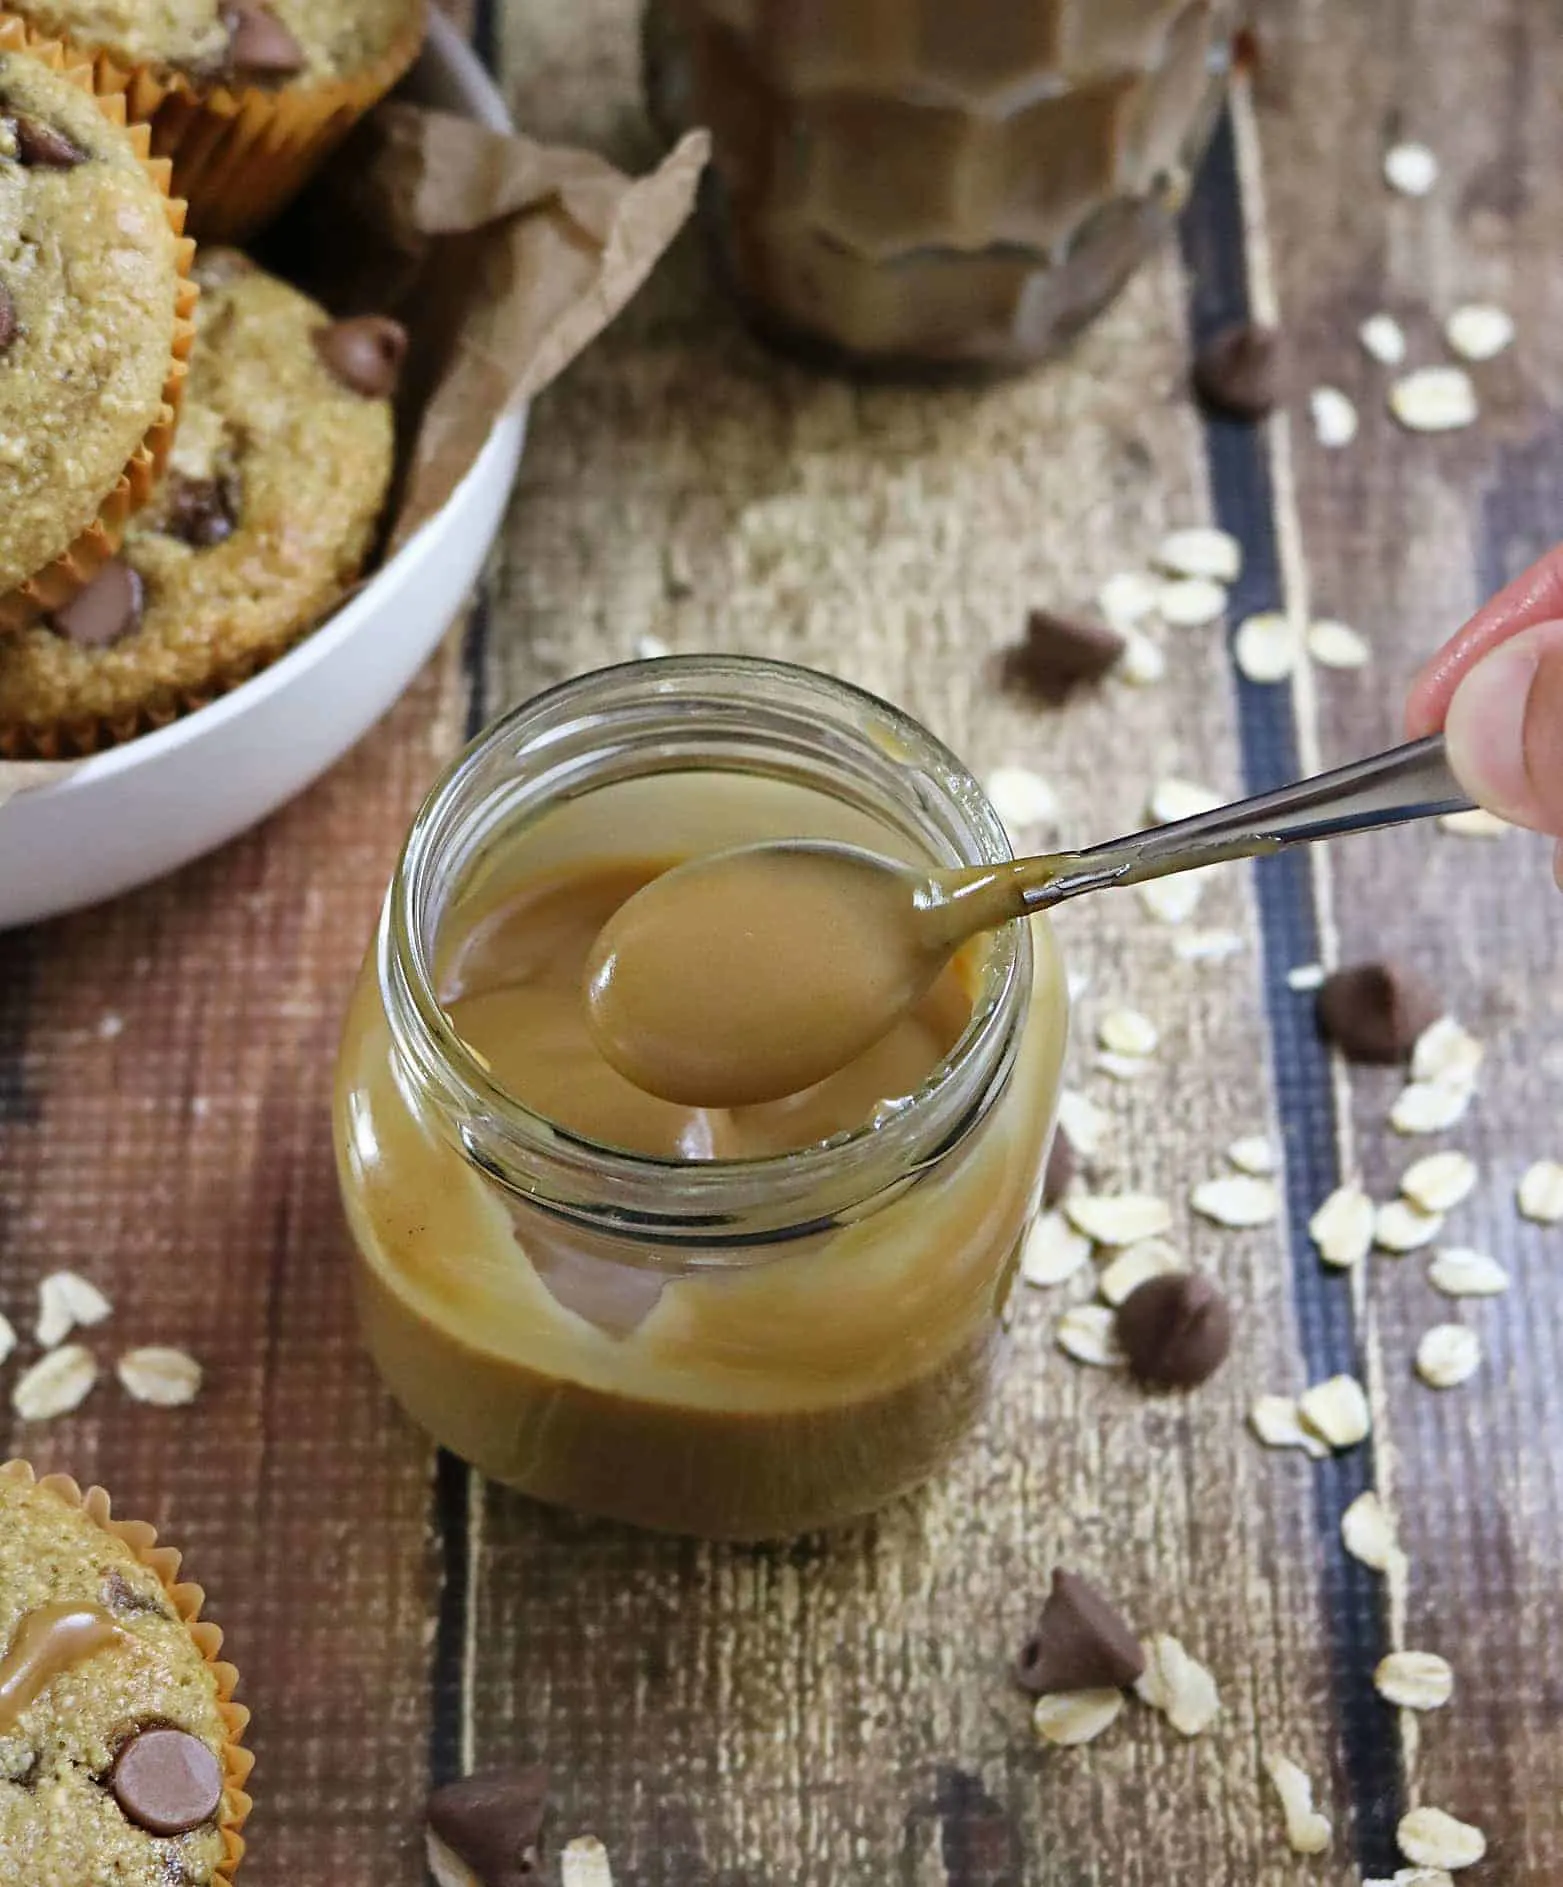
122, 1598
167, 1782
365, 353
1175, 1330
1373, 1012
43, 146
1062, 1166
1081, 1643
107, 610
7, 318
1060, 651
259, 45
1239, 372
200, 512
493, 1824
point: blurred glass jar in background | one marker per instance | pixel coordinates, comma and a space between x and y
926, 183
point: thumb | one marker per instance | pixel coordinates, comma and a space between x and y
1505, 729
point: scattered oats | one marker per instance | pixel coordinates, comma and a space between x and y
1201, 551
7, 1339
1411, 169
1122, 1067
1434, 1839
1305, 976
1401, 1226
1207, 946
1337, 1411
1021, 798
1384, 339
1334, 418
1434, 399
1191, 602
1265, 647
1177, 1685
1540, 1195
56, 1384
1307, 1831
1429, 1107
110, 1028
1078, 1716
1128, 598
65, 1300
1127, 1032
650, 648
1439, 1181
1414, 1680
1088, 1333
1053, 1251
1172, 900
1086, 1124
1447, 1356
1336, 644
1130, 1269
1446, 1052
168, 1379
584, 1863
1142, 662
1479, 331
1368, 1533
1174, 799
1253, 1154
1475, 823
1237, 1200
1275, 1420
1459, 1272
1342, 1228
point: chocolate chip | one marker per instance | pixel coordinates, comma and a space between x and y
1247, 52
122, 1598
1060, 651
200, 512
1175, 1330
8, 322
43, 146
1081, 1643
1061, 1168
1373, 1012
493, 1824
1239, 372
259, 45
107, 610
167, 1782
365, 354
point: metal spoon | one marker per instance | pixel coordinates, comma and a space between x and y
748, 975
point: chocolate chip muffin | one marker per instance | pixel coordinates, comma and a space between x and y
119, 1742
94, 327
246, 97
264, 520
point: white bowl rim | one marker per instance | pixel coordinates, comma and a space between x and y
489, 108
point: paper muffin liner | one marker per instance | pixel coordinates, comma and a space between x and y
54, 586
187, 1601
241, 153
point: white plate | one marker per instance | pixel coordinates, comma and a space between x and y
140, 810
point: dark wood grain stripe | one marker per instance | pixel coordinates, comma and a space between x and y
1357, 1632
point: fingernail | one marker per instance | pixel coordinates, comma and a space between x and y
1486, 733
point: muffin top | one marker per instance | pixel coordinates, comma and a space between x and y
277, 479
243, 42
93, 1662
89, 276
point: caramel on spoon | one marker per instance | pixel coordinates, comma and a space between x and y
752, 974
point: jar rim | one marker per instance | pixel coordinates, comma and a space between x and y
717, 1202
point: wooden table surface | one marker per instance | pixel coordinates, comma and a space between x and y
838, 1711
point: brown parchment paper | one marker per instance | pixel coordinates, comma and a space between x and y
505, 258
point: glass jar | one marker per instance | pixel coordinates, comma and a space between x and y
924, 183
737, 1348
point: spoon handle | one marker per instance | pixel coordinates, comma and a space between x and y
1412, 782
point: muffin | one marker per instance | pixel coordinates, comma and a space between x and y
269, 508
119, 1740
94, 326
246, 97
